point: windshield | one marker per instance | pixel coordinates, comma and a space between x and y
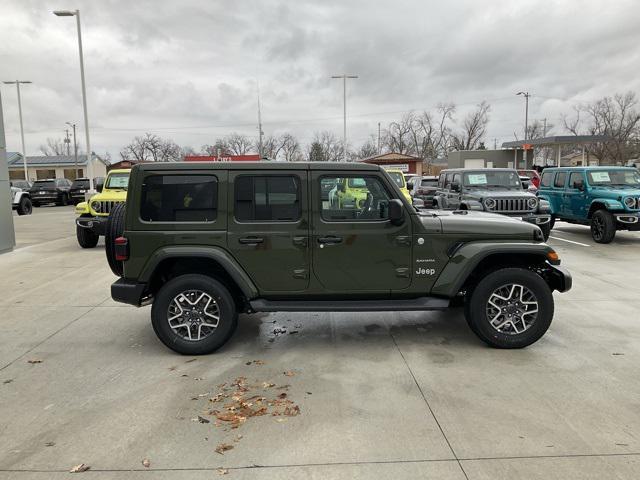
357, 183
617, 178
398, 178
118, 181
43, 183
84, 183
429, 182
499, 178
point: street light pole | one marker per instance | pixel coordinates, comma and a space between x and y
24, 153
76, 13
344, 77
75, 146
526, 123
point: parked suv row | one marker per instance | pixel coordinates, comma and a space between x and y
51, 190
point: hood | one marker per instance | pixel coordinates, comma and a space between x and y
482, 224
500, 193
615, 192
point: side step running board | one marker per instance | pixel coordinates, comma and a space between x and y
415, 304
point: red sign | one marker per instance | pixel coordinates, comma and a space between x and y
527, 146
222, 158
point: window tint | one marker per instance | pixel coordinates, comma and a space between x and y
273, 198
547, 177
429, 182
560, 179
179, 198
575, 179
367, 202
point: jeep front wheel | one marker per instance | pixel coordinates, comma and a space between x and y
510, 308
194, 314
603, 227
24, 207
86, 238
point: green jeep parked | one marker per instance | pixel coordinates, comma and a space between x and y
204, 242
605, 198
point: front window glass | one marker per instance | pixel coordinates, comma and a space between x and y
359, 198
118, 181
498, 178
398, 178
83, 183
615, 178
547, 178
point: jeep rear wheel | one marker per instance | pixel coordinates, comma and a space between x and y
603, 227
86, 238
510, 308
113, 230
24, 207
194, 314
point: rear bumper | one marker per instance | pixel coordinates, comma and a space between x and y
95, 224
127, 291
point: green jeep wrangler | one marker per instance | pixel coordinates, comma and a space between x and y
205, 242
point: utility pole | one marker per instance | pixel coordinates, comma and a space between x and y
24, 152
378, 138
67, 141
526, 122
344, 77
75, 146
260, 132
544, 128
495, 143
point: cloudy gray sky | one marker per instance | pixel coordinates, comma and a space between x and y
187, 69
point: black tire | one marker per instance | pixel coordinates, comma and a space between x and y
546, 230
477, 314
603, 226
24, 207
228, 316
64, 200
552, 222
113, 230
86, 238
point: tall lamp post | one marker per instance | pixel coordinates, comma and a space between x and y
76, 13
24, 153
75, 146
344, 77
526, 123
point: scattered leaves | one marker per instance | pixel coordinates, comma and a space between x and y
222, 471
172, 368
288, 373
50, 444
8, 380
83, 467
617, 353
191, 360
293, 331
146, 463
203, 420
223, 447
34, 360
255, 362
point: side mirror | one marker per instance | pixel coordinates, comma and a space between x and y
455, 187
99, 186
396, 211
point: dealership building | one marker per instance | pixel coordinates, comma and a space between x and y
53, 166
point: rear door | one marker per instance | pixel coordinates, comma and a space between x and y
355, 248
268, 229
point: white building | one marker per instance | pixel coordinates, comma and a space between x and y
54, 166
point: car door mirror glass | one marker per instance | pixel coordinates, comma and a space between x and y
396, 211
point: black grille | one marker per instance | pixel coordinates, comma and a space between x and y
106, 207
512, 205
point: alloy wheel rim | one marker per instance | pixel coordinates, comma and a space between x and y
598, 226
193, 315
512, 309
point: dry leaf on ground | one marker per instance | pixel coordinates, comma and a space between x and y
289, 373
83, 467
191, 360
34, 360
50, 444
146, 463
223, 447
222, 471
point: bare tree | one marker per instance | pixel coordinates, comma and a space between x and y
151, 148
368, 149
55, 146
325, 148
473, 129
617, 118
291, 151
239, 144
220, 147
272, 145
397, 137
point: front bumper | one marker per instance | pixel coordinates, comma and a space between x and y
96, 224
127, 291
628, 221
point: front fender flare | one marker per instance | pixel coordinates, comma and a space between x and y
609, 203
82, 208
219, 255
467, 257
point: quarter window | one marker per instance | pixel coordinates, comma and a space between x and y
560, 179
179, 198
274, 198
547, 178
355, 198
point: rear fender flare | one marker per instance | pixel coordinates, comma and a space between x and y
466, 258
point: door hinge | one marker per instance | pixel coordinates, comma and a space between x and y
300, 273
402, 272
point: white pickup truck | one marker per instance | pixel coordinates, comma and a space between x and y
21, 201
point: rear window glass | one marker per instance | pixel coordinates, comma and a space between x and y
429, 183
547, 178
44, 183
80, 184
274, 198
179, 198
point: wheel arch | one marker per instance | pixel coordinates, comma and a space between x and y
603, 204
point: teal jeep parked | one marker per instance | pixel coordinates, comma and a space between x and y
606, 198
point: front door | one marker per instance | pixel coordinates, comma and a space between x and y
269, 228
355, 248
575, 198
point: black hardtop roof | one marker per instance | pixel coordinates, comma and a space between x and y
579, 169
338, 166
455, 170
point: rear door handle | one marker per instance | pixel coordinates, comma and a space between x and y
331, 240
251, 240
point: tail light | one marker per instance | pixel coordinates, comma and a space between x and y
121, 249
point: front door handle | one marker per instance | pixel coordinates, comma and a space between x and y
331, 240
251, 240
300, 241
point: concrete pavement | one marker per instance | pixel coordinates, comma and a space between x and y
401, 395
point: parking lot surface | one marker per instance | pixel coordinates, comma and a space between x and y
381, 395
